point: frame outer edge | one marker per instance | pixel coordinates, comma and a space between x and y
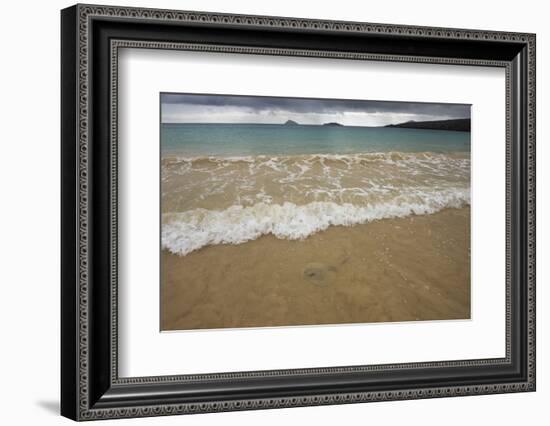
82, 136
531, 199
69, 221
83, 12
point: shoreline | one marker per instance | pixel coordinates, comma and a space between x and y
174, 154
388, 270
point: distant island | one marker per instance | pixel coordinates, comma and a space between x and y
457, 125
294, 123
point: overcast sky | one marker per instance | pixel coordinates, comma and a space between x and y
188, 108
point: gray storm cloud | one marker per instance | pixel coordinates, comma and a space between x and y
232, 108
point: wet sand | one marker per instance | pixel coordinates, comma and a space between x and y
408, 269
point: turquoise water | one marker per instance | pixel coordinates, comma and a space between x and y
274, 139
232, 183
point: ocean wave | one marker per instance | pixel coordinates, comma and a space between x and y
185, 232
351, 158
220, 182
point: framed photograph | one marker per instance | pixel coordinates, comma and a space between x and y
263, 212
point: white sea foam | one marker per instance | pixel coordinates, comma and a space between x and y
390, 156
230, 200
184, 232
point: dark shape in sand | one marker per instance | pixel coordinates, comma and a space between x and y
318, 273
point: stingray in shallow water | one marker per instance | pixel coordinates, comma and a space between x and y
318, 273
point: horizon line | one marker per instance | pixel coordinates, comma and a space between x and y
309, 124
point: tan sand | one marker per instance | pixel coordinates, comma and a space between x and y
415, 268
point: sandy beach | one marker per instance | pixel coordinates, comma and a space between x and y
406, 269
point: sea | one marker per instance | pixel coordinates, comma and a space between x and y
233, 183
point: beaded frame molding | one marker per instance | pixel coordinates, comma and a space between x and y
91, 39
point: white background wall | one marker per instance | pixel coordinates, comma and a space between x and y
29, 213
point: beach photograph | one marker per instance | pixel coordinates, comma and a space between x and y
284, 211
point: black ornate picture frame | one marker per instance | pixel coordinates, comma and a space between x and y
90, 39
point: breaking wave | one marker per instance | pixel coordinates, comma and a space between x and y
188, 231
